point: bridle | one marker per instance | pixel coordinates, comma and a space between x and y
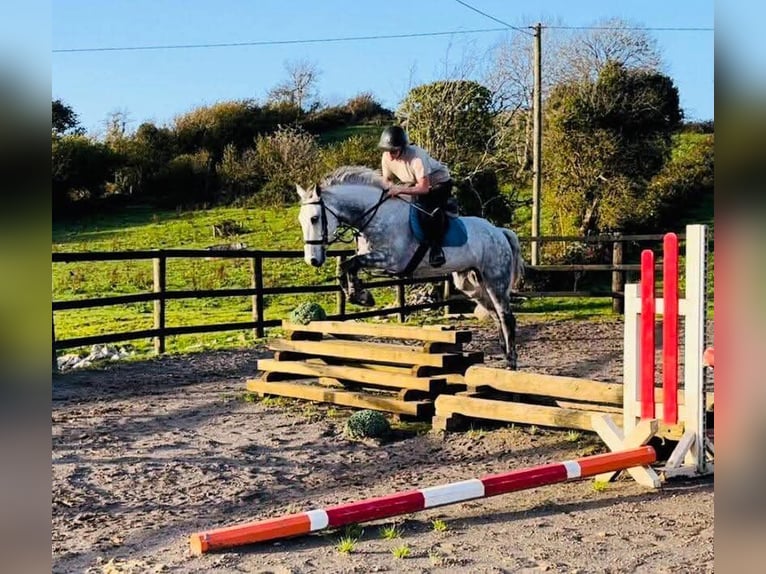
357, 227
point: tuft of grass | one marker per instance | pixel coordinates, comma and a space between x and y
439, 525
311, 412
346, 545
275, 402
390, 532
247, 397
334, 413
600, 485
476, 433
402, 551
353, 531
435, 558
573, 436
533, 430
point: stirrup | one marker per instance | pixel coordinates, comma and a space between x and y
436, 257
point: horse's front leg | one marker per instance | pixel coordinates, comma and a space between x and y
349, 277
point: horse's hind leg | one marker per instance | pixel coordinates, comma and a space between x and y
506, 322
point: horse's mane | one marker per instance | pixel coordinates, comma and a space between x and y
353, 174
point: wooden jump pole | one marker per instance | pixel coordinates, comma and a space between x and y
415, 500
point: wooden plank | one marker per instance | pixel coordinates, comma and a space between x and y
369, 376
544, 385
454, 378
434, 333
556, 386
340, 397
379, 367
512, 412
330, 382
590, 407
384, 352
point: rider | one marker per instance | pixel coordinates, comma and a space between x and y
424, 177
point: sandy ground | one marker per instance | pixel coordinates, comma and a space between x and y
145, 453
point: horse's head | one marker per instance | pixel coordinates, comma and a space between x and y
317, 227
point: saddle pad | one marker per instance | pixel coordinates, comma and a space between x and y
456, 234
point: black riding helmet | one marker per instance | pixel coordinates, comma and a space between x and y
392, 138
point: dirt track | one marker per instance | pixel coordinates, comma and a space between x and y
145, 453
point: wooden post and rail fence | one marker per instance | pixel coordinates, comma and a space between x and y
160, 295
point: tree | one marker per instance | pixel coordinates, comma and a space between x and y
300, 85
452, 119
605, 140
80, 169
364, 106
116, 124
64, 119
566, 57
685, 182
609, 41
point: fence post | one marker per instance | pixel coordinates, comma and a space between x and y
159, 264
55, 363
256, 282
340, 297
618, 276
446, 294
400, 301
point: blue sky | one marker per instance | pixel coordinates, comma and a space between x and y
156, 85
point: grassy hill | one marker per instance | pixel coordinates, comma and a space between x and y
367, 131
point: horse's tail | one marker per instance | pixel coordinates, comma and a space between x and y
517, 269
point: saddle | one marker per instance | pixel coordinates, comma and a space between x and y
455, 234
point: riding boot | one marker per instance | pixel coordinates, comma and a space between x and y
436, 257
436, 231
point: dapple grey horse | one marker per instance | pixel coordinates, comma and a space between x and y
485, 267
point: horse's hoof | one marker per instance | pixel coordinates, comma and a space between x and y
366, 299
363, 298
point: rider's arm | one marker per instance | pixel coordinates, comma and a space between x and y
422, 185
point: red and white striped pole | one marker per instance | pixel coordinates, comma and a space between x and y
414, 500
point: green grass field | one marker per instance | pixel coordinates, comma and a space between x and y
267, 229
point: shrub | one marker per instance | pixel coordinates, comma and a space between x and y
239, 173
356, 150
286, 157
367, 424
307, 312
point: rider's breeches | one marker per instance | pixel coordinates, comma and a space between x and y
434, 202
